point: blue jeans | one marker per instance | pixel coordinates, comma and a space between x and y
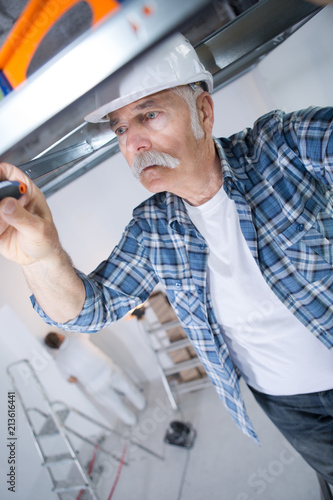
306, 421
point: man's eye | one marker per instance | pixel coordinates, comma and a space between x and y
152, 114
120, 130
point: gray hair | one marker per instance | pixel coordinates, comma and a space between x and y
190, 96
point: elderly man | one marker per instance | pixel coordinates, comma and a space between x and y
239, 233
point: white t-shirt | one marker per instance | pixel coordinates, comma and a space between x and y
79, 357
274, 351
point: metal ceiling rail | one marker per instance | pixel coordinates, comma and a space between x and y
80, 167
47, 112
240, 44
86, 62
45, 164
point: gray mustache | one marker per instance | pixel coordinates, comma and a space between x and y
149, 158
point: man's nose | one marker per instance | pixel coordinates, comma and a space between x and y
137, 139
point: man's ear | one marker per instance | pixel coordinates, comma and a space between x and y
205, 107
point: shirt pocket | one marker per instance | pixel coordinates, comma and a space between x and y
182, 294
311, 251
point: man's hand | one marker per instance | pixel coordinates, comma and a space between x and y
27, 231
29, 237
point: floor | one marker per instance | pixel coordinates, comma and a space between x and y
222, 464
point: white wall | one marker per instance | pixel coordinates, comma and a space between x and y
91, 212
297, 74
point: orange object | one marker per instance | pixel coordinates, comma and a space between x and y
147, 10
22, 188
36, 20
14, 189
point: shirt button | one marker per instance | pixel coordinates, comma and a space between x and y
300, 227
178, 284
202, 246
199, 291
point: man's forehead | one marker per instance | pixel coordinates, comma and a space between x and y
147, 102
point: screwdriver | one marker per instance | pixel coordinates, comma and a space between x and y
15, 189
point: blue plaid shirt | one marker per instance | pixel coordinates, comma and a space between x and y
279, 173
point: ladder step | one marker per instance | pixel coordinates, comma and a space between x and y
174, 346
63, 486
50, 428
194, 385
57, 459
185, 365
156, 327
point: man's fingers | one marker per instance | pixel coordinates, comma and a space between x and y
12, 213
11, 173
3, 226
29, 236
8, 206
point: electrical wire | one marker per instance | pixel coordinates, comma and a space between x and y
121, 463
187, 460
91, 465
182, 481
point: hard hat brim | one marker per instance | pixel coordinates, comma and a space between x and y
100, 114
169, 64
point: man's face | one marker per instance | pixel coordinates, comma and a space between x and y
156, 138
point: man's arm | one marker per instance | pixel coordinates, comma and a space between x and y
56, 286
28, 237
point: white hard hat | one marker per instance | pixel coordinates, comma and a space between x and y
171, 63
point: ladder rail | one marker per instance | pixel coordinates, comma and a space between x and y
87, 440
164, 379
118, 434
26, 412
74, 432
87, 483
150, 327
